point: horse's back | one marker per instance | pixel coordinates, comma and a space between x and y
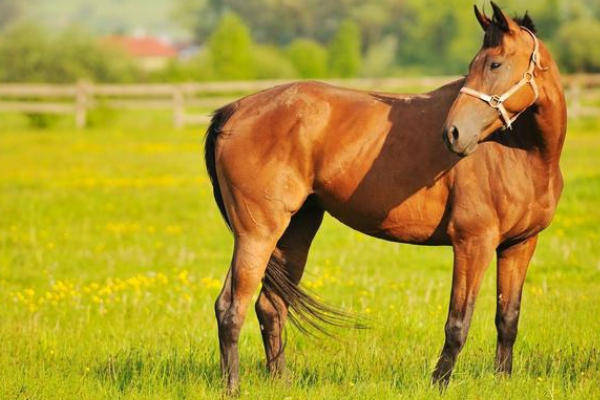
268, 152
295, 126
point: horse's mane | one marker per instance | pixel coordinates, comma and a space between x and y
495, 31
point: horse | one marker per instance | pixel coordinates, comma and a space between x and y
453, 167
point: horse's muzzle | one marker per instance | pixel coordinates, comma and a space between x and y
455, 143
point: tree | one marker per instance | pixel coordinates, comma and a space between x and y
308, 57
380, 57
197, 16
577, 45
273, 22
30, 53
344, 51
24, 50
231, 48
271, 63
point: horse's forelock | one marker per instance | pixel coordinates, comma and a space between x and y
495, 33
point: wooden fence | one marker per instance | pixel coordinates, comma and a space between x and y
191, 103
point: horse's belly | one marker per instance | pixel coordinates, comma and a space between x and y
417, 219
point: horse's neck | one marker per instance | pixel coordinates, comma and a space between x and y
550, 118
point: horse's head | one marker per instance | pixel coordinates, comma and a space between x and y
500, 85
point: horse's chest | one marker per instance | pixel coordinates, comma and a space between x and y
524, 210
514, 203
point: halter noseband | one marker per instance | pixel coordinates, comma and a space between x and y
497, 101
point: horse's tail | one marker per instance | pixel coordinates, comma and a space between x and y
217, 122
306, 312
309, 314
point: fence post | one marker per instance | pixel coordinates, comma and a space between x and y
178, 107
575, 97
81, 101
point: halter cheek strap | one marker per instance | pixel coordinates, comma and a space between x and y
497, 101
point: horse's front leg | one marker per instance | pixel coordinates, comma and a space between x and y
512, 268
471, 258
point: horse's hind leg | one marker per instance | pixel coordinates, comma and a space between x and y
291, 253
257, 227
247, 268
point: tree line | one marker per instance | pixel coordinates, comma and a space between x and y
257, 39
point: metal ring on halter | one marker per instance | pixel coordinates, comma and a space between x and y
495, 101
528, 76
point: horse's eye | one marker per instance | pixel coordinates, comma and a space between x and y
495, 65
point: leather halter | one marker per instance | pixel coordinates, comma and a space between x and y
497, 101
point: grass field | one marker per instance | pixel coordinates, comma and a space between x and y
112, 252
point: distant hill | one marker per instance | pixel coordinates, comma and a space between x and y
110, 16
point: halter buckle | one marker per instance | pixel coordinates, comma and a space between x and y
495, 101
528, 76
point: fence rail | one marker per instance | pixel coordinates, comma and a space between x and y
190, 103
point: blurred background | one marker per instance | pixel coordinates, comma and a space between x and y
202, 40
89, 63
112, 249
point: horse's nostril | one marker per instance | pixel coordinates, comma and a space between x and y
454, 133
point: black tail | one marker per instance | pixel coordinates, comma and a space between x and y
306, 312
218, 120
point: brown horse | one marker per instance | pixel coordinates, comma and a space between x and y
380, 164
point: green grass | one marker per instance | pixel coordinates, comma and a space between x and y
112, 252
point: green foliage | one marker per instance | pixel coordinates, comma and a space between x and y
231, 48
390, 37
432, 37
380, 57
271, 63
101, 115
24, 51
275, 22
308, 57
345, 51
29, 53
42, 121
577, 44
199, 68
267, 62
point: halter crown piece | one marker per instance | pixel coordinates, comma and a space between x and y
497, 101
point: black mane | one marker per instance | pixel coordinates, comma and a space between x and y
495, 30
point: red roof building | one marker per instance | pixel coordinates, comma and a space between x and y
151, 53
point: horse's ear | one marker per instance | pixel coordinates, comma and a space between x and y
527, 22
500, 19
484, 21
